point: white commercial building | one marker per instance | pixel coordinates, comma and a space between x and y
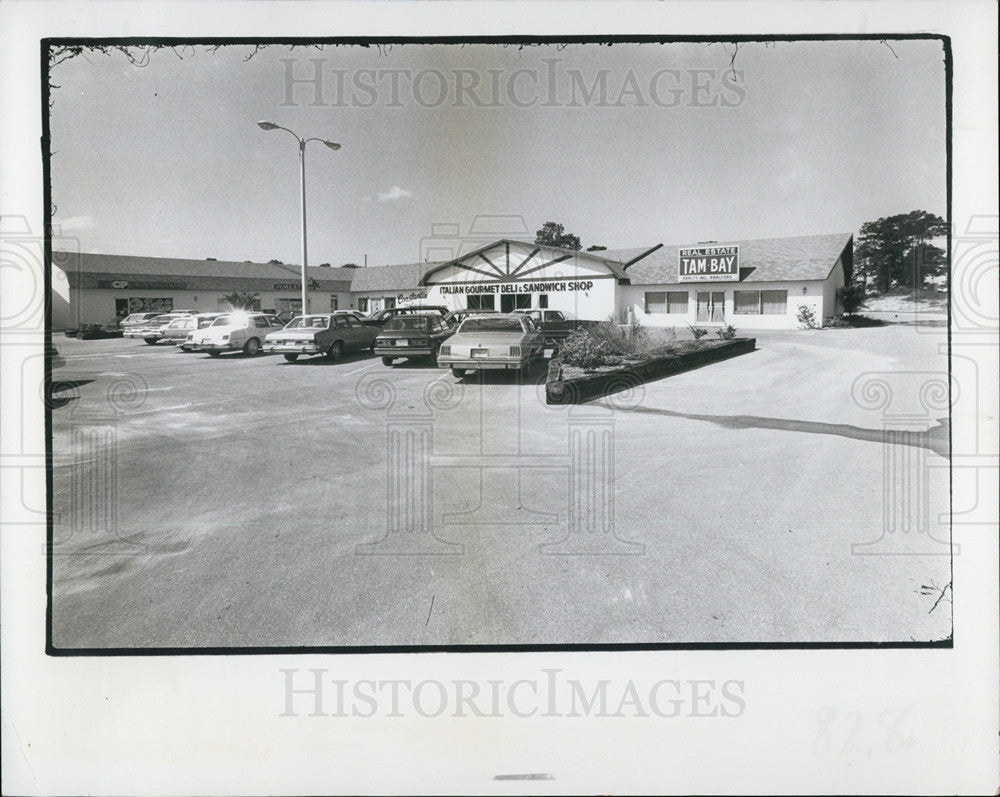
751, 284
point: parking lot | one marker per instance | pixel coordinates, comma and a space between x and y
244, 501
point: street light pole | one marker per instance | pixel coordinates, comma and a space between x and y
302, 182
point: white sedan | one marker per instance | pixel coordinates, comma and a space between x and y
232, 332
503, 342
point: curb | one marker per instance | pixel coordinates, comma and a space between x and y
585, 388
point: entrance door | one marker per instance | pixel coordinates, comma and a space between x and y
121, 308
711, 306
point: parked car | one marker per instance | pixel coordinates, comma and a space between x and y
150, 329
178, 330
382, 317
409, 336
329, 334
554, 325
509, 341
237, 331
99, 331
456, 317
134, 321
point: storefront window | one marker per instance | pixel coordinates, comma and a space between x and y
363, 304
158, 305
677, 302
543, 300
760, 302
774, 302
389, 301
746, 302
518, 301
656, 302
480, 302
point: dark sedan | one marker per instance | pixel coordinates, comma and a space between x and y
412, 336
382, 317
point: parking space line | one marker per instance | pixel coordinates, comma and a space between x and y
359, 370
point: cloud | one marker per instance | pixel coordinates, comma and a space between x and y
71, 223
394, 194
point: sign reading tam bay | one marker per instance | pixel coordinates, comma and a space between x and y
709, 264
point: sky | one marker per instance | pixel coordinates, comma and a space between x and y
626, 146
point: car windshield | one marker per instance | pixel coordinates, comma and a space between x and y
487, 324
205, 322
224, 320
309, 322
413, 323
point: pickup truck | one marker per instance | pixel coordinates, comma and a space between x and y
554, 325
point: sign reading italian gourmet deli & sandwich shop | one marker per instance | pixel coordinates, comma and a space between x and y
709, 264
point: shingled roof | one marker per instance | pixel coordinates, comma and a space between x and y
85, 270
806, 257
405, 276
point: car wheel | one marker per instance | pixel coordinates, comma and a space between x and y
336, 351
387, 361
251, 347
150, 341
291, 357
458, 372
214, 353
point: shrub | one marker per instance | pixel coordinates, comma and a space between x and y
728, 333
698, 332
807, 317
853, 321
610, 338
638, 335
852, 297
582, 349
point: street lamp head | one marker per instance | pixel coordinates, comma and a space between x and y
267, 125
332, 145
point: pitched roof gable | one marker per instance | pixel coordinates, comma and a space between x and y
806, 257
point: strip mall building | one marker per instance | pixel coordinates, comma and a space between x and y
754, 284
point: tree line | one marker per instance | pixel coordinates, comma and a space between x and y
890, 253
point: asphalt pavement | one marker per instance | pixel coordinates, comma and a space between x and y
235, 501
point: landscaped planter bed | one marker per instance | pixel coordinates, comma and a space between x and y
571, 385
